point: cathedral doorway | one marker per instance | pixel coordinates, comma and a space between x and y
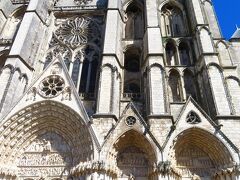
134, 157
44, 143
199, 155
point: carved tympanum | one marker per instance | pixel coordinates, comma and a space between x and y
47, 156
132, 162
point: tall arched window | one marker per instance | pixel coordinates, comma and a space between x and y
67, 59
134, 28
93, 75
175, 88
184, 54
3, 58
89, 71
172, 21
189, 84
84, 76
132, 71
76, 71
171, 54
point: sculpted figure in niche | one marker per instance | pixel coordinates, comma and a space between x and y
56, 69
32, 94
66, 94
47, 145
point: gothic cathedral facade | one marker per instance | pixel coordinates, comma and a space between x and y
117, 90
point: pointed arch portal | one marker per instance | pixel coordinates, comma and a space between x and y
133, 155
197, 154
47, 140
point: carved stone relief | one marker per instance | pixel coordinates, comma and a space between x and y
31, 96
193, 162
47, 156
132, 162
82, 2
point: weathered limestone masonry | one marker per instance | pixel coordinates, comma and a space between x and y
117, 89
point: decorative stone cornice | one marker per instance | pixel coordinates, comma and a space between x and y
89, 167
165, 168
82, 2
20, 1
8, 171
230, 170
6, 41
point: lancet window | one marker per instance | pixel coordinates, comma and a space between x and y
76, 70
134, 27
174, 85
171, 54
189, 84
132, 75
89, 71
184, 54
178, 55
172, 21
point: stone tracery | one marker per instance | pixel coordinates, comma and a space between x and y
51, 86
74, 32
78, 41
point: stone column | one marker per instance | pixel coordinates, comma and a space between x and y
5, 79
153, 55
208, 56
212, 19
197, 13
108, 93
184, 96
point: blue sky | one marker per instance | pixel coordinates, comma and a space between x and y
228, 12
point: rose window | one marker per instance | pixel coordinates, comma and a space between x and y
52, 86
74, 32
130, 120
193, 118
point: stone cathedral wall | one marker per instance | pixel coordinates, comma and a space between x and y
117, 89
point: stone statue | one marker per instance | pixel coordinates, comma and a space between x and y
195, 177
131, 177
